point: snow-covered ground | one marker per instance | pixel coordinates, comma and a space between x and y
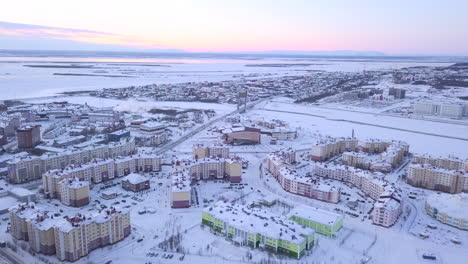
36, 82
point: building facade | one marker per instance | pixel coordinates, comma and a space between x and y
30, 168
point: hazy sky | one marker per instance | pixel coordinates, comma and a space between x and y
390, 26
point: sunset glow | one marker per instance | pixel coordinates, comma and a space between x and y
420, 27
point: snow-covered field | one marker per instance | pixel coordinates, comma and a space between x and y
18, 81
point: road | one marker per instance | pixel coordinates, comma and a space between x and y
368, 124
192, 133
5, 254
455, 122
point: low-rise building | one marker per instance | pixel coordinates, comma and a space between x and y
449, 209
242, 136
323, 222
258, 228
135, 182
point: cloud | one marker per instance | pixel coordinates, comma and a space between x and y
87, 36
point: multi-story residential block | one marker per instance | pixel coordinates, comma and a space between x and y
70, 238
330, 147
278, 166
434, 178
28, 168
449, 163
216, 168
323, 222
449, 209
151, 140
135, 182
104, 117
200, 151
258, 228
387, 210
181, 190
8, 125
100, 170
444, 109
28, 136
73, 192
202, 169
283, 134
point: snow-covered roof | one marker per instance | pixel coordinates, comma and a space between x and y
454, 205
316, 215
259, 221
134, 178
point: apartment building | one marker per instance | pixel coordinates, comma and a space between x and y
25, 169
28, 136
444, 109
323, 222
258, 228
100, 170
435, 178
216, 168
370, 183
73, 192
70, 238
200, 151
181, 190
330, 147
387, 208
449, 163
278, 166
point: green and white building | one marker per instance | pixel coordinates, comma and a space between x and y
323, 222
258, 228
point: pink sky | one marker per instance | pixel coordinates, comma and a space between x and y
398, 27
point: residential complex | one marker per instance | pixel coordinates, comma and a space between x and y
99, 170
388, 205
449, 209
202, 169
279, 165
28, 168
69, 237
323, 222
455, 110
330, 147
449, 163
390, 155
258, 228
